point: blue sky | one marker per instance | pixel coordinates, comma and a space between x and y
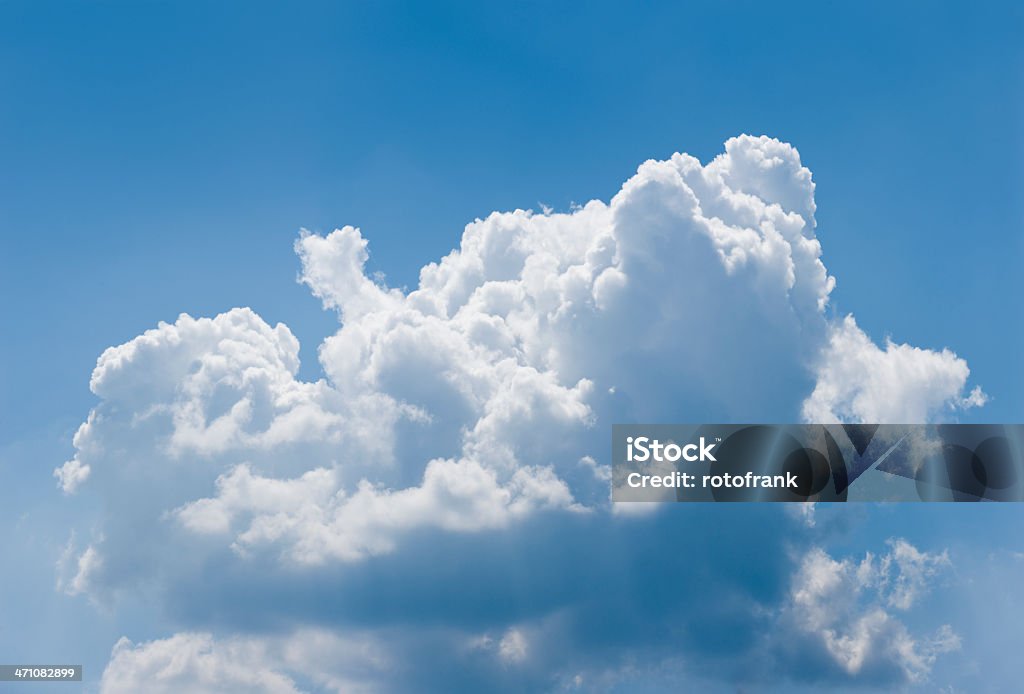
161, 158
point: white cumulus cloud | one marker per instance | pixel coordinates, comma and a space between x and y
481, 398
71, 475
464, 403
846, 605
199, 663
859, 381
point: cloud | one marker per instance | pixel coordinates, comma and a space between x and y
858, 381
316, 521
832, 620
193, 663
904, 573
474, 409
805, 513
75, 573
213, 385
845, 606
71, 475
201, 663
513, 646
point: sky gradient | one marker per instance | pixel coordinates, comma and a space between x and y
161, 158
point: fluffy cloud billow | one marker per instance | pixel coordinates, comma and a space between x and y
479, 401
198, 663
847, 610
